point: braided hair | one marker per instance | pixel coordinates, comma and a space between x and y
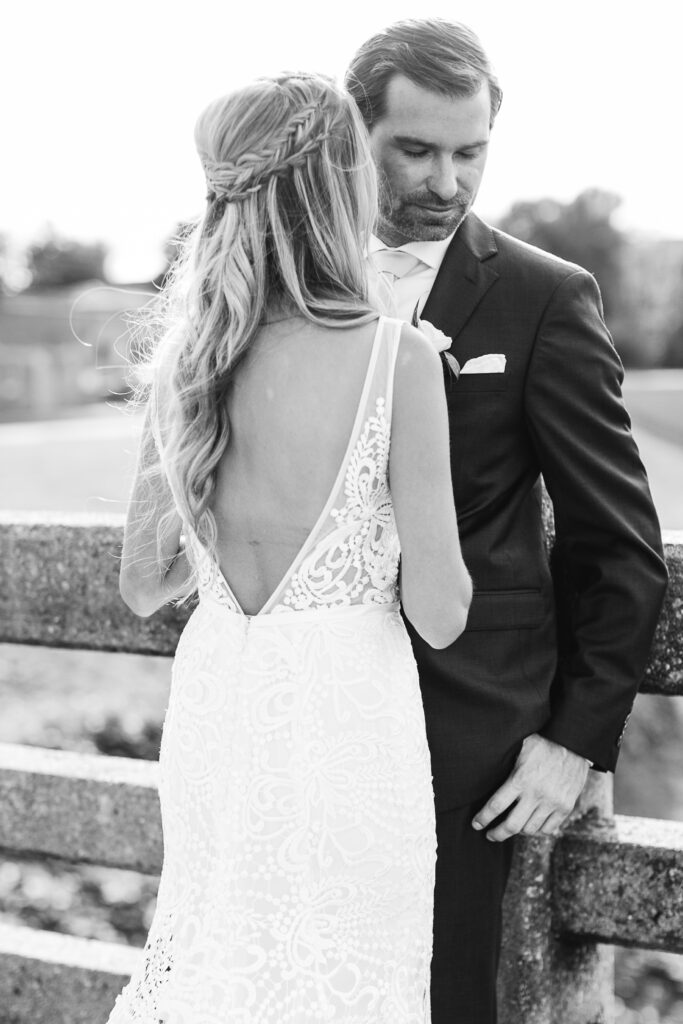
291, 198
234, 180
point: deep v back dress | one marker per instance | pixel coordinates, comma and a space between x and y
295, 781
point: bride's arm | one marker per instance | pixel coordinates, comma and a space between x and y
154, 564
436, 589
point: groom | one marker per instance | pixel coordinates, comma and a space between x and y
541, 684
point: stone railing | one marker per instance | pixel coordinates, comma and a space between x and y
608, 880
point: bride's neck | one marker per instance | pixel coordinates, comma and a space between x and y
276, 312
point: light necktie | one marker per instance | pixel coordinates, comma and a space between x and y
395, 263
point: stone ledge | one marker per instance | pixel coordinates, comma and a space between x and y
47, 978
621, 883
82, 808
60, 589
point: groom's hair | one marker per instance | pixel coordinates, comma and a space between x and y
442, 56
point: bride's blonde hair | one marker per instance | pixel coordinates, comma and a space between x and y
291, 201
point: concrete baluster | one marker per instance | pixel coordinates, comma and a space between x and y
546, 979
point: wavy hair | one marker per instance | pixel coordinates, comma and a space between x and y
291, 200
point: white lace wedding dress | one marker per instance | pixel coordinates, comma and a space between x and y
295, 782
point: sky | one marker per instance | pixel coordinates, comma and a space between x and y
99, 104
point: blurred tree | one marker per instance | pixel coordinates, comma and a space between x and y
580, 231
62, 261
648, 325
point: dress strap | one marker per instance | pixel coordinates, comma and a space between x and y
379, 381
391, 337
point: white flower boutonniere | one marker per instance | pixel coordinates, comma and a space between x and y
441, 343
439, 340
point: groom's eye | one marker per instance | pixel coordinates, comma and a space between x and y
416, 153
473, 153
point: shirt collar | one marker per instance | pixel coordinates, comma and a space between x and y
431, 253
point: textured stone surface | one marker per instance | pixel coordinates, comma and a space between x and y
622, 883
543, 978
100, 810
48, 978
664, 673
60, 587
523, 990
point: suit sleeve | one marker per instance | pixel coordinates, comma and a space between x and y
607, 564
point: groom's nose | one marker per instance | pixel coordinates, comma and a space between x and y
443, 180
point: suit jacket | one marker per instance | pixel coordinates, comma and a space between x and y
553, 645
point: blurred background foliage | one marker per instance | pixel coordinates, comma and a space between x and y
62, 261
640, 278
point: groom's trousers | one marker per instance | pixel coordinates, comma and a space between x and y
471, 875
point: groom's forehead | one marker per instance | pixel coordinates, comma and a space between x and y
414, 109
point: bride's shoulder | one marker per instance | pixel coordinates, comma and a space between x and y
418, 375
412, 342
415, 348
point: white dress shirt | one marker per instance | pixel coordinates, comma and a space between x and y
413, 288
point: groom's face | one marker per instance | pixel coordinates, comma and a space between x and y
430, 152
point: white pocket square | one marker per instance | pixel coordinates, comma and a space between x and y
492, 363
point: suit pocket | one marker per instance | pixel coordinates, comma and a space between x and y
467, 382
506, 609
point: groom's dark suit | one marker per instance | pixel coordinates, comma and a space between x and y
554, 648
559, 652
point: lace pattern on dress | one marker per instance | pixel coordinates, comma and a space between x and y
210, 580
357, 561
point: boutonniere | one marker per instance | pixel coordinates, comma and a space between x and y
440, 341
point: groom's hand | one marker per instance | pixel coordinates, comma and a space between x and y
540, 792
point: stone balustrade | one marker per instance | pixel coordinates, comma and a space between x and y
607, 881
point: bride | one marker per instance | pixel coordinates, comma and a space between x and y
295, 444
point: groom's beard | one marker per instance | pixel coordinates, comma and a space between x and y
422, 216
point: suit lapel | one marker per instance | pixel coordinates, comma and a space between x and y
466, 274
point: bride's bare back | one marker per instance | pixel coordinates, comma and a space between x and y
292, 408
